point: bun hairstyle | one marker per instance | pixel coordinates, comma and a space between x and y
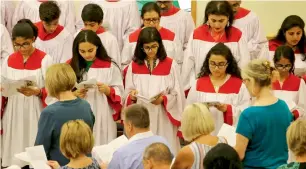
25, 29
260, 70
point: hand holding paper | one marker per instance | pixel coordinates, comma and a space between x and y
91, 83
10, 87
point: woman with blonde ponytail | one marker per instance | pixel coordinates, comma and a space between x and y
261, 130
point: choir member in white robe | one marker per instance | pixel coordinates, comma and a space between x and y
92, 16
176, 20
248, 22
152, 79
287, 86
150, 15
295, 37
219, 85
90, 61
6, 43
121, 17
53, 38
216, 28
7, 11
29, 9
21, 114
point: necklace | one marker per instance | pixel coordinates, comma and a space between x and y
149, 65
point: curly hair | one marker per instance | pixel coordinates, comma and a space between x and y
223, 50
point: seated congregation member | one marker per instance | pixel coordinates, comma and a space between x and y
296, 140
76, 140
60, 79
289, 87
155, 76
176, 20
222, 156
150, 15
136, 122
261, 130
6, 44
23, 109
120, 17
197, 124
220, 85
92, 16
53, 38
157, 155
217, 27
91, 61
248, 22
292, 34
30, 10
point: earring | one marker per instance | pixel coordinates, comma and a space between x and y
227, 24
207, 23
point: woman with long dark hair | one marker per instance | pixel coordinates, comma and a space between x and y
288, 86
151, 15
23, 109
292, 34
91, 61
217, 27
219, 85
152, 79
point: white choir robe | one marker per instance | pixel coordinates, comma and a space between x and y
180, 22
110, 44
7, 11
105, 108
165, 118
6, 44
293, 89
121, 18
299, 64
248, 22
21, 114
29, 9
200, 44
57, 44
233, 93
170, 42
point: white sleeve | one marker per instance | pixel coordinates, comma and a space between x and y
67, 52
258, 44
190, 26
46, 63
244, 54
129, 85
179, 54
9, 11
70, 17
188, 69
133, 20
192, 95
6, 43
301, 104
114, 51
127, 53
18, 13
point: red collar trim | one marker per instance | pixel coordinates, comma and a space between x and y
43, 35
242, 12
99, 31
42, 0
112, 0
173, 10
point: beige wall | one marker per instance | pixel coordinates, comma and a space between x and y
271, 13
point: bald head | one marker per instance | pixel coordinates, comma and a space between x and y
159, 153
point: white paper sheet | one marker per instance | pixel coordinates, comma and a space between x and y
13, 167
149, 99
229, 132
104, 153
91, 83
10, 86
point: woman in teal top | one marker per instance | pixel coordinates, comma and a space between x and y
261, 131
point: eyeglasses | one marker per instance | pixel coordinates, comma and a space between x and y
24, 46
149, 20
149, 48
221, 65
283, 67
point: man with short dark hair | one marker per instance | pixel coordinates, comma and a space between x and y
157, 156
137, 128
53, 38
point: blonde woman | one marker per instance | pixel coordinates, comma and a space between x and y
197, 124
76, 141
261, 130
60, 79
296, 140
